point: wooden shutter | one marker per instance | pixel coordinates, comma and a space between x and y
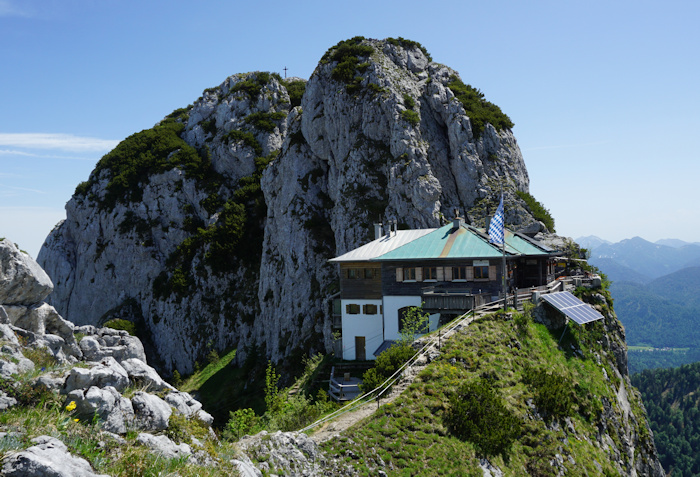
448, 274
419, 274
492, 272
440, 274
399, 274
470, 274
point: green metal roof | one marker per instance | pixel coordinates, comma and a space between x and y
464, 242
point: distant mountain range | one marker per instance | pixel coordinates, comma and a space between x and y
638, 260
655, 288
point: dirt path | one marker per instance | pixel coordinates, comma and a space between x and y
339, 424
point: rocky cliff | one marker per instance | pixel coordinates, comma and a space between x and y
69, 392
212, 229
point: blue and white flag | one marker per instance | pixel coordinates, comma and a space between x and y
496, 225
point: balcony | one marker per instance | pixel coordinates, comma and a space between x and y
453, 300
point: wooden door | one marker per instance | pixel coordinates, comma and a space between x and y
360, 353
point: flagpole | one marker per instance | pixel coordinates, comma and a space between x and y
497, 236
505, 290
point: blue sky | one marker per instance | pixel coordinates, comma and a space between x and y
604, 95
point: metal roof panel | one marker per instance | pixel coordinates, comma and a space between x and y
382, 245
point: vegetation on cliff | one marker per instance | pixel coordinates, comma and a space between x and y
504, 376
477, 108
538, 210
672, 400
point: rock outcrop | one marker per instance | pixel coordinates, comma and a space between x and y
213, 229
87, 368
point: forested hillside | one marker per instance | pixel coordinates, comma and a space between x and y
661, 314
671, 398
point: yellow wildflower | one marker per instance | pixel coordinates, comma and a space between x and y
71, 406
76, 419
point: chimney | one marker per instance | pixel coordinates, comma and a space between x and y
378, 232
457, 221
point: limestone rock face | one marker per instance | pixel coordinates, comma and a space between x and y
22, 280
48, 456
225, 241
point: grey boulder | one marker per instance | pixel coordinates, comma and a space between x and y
114, 411
107, 372
22, 280
49, 457
151, 412
162, 445
104, 342
144, 375
188, 406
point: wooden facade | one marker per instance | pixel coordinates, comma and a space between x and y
361, 280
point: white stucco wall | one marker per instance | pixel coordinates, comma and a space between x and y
392, 305
369, 326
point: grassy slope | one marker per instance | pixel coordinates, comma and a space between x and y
221, 388
410, 436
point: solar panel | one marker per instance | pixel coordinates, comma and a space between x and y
572, 307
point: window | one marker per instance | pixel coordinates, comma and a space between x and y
353, 273
430, 273
481, 272
409, 274
369, 309
352, 309
459, 273
402, 320
369, 273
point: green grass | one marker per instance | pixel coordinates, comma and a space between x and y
222, 387
411, 433
50, 417
197, 380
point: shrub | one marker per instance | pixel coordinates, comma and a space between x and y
252, 86
246, 138
209, 127
148, 152
538, 210
121, 324
478, 414
385, 365
296, 90
477, 108
240, 423
347, 54
409, 45
553, 393
265, 121
413, 322
411, 117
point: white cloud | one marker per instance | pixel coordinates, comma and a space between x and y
23, 189
17, 152
9, 9
63, 142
